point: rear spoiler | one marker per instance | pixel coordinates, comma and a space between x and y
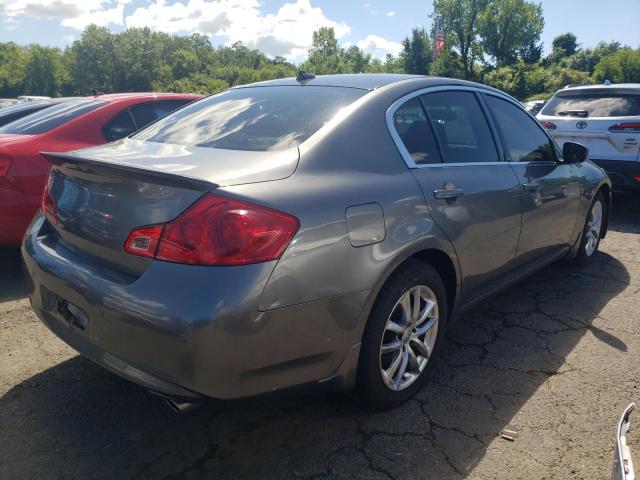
76, 162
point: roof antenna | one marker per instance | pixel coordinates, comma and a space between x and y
95, 92
302, 76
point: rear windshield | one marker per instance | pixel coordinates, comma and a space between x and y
50, 118
593, 104
253, 118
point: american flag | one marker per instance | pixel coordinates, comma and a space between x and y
439, 39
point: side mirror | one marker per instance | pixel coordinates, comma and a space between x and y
574, 152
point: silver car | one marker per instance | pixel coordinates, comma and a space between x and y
307, 231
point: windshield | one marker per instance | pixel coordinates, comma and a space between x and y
253, 118
51, 117
593, 104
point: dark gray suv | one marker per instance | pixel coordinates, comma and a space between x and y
319, 231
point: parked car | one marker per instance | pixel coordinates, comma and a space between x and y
604, 118
32, 98
7, 102
534, 106
65, 126
322, 231
19, 110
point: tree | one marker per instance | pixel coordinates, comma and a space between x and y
324, 54
13, 64
587, 59
620, 67
460, 17
510, 29
93, 60
354, 59
563, 46
416, 52
43, 71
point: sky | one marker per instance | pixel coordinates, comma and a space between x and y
284, 27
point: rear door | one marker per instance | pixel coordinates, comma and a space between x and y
551, 188
605, 120
474, 197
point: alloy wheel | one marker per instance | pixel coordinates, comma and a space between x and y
594, 228
409, 337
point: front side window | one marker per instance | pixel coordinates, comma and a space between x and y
460, 126
415, 132
253, 118
523, 138
585, 104
51, 117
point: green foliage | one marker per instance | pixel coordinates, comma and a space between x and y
620, 67
510, 29
416, 52
493, 41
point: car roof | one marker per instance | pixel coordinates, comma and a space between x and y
365, 81
612, 86
114, 97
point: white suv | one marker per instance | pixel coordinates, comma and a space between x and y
605, 119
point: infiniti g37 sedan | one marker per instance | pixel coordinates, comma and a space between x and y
311, 231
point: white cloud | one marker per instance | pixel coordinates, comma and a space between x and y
70, 13
288, 32
370, 9
379, 46
391, 13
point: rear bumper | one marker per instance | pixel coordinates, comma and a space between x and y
191, 331
622, 173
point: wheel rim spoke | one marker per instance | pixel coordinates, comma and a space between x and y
409, 337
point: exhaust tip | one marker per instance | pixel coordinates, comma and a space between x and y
178, 406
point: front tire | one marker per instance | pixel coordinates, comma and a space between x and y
592, 231
404, 331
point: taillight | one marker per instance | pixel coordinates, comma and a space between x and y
549, 125
625, 127
144, 240
5, 163
218, 231
47, 205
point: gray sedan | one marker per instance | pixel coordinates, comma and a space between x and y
316, 231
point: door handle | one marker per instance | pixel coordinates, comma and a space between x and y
448, 193
531, 187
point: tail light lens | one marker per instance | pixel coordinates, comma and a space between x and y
144, 241
47, 205
625, 127
217, 231
5, 163
549, 125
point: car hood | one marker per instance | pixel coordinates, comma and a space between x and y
218, 166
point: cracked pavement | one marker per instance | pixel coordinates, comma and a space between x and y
554, 359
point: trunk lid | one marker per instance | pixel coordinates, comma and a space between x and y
99, 195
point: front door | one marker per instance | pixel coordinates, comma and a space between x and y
472, 196
551, 189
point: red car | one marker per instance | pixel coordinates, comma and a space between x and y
68, 126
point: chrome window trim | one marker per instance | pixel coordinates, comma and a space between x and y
404, 153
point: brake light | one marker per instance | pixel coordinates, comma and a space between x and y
549, 125
637, 179
47, 205
144, 241
625, 127
5, 163
218, 231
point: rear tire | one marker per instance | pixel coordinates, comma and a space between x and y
592, 231
404, 331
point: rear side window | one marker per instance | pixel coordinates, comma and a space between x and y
120, 126
13, 113
50, 118
593, 104
460, 126
522, 136
253, 118
146, 113
415, 132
